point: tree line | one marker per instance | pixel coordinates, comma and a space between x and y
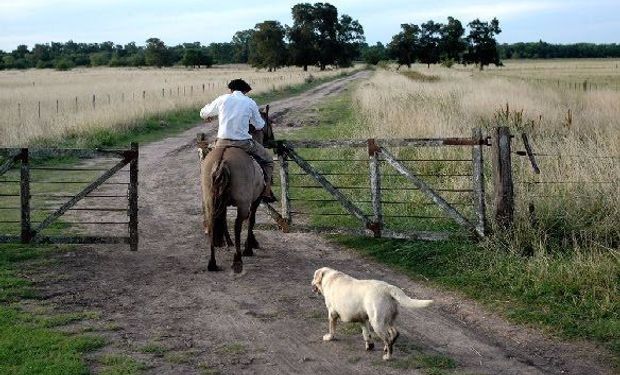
543, 50
433, 42
319, 36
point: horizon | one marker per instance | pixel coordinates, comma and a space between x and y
28, 21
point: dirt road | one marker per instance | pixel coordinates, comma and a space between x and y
268, 321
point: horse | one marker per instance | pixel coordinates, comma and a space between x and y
231, 177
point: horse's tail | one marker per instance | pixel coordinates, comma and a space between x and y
215, 204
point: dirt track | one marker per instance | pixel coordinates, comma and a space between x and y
267, 321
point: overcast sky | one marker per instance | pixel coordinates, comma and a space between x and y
121, 21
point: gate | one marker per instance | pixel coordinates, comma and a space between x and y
378, 181
33, 198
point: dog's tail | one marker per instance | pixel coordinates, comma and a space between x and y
405, 300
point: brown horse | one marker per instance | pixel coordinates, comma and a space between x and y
231, 177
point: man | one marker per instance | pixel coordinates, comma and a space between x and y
235, 112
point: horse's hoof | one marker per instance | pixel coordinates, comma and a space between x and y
370, 346
212, 267
237, 267
248, 253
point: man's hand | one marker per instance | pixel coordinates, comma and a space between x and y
209, 119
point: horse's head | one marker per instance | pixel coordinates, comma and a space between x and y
265, 135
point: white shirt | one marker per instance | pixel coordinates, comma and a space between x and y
235, 112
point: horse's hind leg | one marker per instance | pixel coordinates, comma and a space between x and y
251, 242
229, 241
242, 214
212, 264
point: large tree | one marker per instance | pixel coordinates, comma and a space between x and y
319, 37
302, 36
482, 46
452, 43
350, 40
241, 44
405, 45
156, 53
268, 47
429, 40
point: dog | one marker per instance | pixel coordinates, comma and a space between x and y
369, 302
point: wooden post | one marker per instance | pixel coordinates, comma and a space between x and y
284, 185
94, 100
203, 87
143, 94
56, 106
39, 109
478, 183
502, 175
375, 187
163, 92
76, 104
109, 101
19, 110
133, 198
26, 235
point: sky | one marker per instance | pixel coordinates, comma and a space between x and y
122, 21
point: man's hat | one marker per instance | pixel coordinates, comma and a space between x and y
239, 85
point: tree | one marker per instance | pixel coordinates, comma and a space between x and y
482, 46
99, 58
429, 43
319, 37
302, 36
350, 39
452, 44
373, 54
192, 57
156, 53
241, 44
326, 27
222, 53
405, 45
268, 48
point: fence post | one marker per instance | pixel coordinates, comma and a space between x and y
24, 193
478, 182
284, 185
375, 187
502, 175
133, 198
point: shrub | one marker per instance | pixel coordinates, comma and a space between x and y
64, 64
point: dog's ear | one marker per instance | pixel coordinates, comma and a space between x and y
318, 276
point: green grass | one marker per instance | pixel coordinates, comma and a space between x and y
154, 348
28, 343
117, 364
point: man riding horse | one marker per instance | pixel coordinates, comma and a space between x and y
235, 113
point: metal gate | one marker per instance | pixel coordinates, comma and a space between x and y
21, 221
366, 200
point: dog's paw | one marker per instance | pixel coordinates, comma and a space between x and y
328, 337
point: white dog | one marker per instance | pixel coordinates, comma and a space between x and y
369, 302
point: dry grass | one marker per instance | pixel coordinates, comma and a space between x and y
123, 96
577, 196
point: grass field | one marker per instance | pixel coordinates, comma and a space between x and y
48, 106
